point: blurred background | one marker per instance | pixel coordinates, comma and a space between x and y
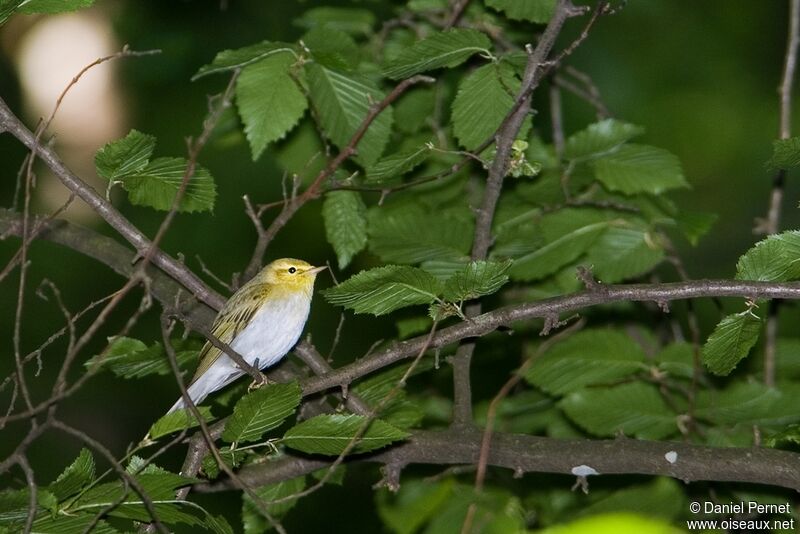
701, 77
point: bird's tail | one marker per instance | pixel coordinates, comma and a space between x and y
209, 382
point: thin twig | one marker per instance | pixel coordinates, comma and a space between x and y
315, 189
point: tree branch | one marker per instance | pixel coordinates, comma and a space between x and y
108, 212
534, 69
532, 454
315, 189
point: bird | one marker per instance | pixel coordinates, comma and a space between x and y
261, 321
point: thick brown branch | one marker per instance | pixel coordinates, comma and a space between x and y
531, 454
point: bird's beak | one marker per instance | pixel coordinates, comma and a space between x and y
315, 270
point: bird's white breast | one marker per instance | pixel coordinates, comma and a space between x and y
274, 329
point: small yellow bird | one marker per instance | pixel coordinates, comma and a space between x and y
262, 321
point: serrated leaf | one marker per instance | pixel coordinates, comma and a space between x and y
70, 524
483, 100
269, 101
554, 255
241, 57
157, 185
385, 289
230, 457
409, 234
397, 164
477, 279
253, 520
785, 154
775, 259
53, 6
789, 435
331, 434
443, 49
261, 410
731, 341
77, 475
130, 358
635, 409
178, 420
633, 169
347, 19
586, 358
623, 253
124, 156
538, 11
599, 137
342, 102
345, 217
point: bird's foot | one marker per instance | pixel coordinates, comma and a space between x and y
257, 383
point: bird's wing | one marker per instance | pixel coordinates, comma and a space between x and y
234, 317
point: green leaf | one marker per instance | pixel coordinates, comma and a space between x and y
414, 505
130, 358
409, 234
253, 520
331, 48
785, 154
662, 498
347, 19
269, 101
345, 217
342, 102
414, 109
731, 341
412, 326
53, 6
741, 403
230, 457
477, 279
397, 164
483, 100
124, 156
695, 225
635, 409
677, 360
77, 475
538, 11
600, 137
331, 434
787, 358
633, 169
385, 289
586, 358
622, 253
261, 410
66, 524
443, 49
178, 420
157, 185
789, 435
556, 254
241, 57
775, 259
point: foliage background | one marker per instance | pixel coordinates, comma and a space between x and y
700, 76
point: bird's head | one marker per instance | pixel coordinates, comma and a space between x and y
290, 274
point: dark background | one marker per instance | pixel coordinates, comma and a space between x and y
701, 77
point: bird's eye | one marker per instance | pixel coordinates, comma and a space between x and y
292, 270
